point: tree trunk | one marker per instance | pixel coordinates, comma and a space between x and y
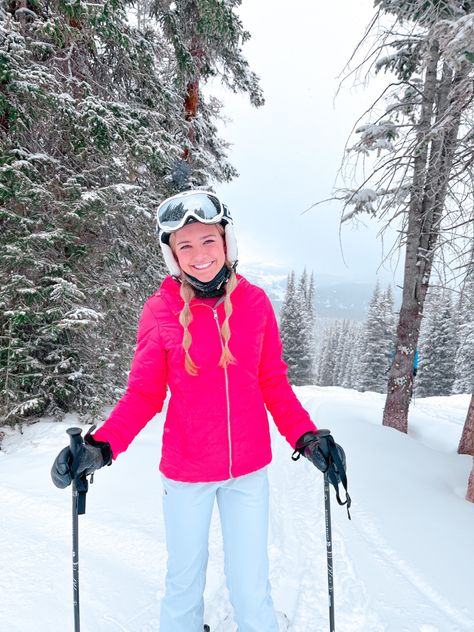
430, 183
191, 101
470, 486
466, 444
400, 379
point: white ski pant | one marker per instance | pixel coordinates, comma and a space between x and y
243, 509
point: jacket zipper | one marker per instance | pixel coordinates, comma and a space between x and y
226, 377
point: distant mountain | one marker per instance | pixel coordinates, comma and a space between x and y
272, 278
335, 297
343, 300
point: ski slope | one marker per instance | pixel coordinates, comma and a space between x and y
405, 563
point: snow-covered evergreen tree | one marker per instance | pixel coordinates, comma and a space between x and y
93, 125
290, 325
346, 354
311, 311
296, 330
328, 355
464, 362
378, 343
437, 348
341, 353
418, 132
306, 290
338, 355
207, 38
351, 378
285, 314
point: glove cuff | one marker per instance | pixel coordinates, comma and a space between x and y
104, 447
306, 439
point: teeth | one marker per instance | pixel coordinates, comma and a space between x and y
202, 266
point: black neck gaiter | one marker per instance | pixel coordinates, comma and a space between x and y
213, 288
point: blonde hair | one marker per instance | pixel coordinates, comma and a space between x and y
186, 316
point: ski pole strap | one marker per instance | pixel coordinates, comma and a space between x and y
81, 486
339, 474
331, 460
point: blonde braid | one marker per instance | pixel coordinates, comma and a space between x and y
185, 318
227, 356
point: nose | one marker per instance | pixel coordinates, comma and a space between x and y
200, 254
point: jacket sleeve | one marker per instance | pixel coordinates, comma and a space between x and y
291, 419
146, 388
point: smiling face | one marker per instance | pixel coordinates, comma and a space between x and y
199, 249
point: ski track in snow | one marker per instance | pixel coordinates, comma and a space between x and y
298, 544
299, 554
123, 558
409, 582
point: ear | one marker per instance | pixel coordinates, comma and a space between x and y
231, 244
170, 260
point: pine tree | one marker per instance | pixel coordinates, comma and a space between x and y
344, 354
81, 140
328, 355
352, 375
422, 170
339, 352
338, 355
306, 294
437, 347
285, 315
311, 327
207, 38
324, 370
464, 361
378, 342
92, 127
295, 330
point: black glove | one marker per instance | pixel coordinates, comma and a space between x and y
92, 456
328, 456
309, 445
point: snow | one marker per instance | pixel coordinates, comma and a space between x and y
404, 562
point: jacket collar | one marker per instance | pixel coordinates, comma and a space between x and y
169, 290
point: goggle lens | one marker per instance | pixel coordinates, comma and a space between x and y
173, 213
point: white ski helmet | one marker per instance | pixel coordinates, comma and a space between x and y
193, 206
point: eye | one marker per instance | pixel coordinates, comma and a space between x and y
210, 241
184, 247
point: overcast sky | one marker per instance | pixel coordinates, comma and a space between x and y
289, 151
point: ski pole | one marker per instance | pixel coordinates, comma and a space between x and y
327, 507
79, 490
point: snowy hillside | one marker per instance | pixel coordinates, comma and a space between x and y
404, 563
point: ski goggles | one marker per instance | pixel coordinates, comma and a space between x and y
205, 207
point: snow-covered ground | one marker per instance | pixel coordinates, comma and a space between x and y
405, 563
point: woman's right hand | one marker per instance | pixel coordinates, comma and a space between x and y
92, 455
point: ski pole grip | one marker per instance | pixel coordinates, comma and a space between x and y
322, 432
80, 484
75, 440
323, 441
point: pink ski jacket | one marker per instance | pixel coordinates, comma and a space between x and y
216, 425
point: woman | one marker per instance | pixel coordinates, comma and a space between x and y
210, 337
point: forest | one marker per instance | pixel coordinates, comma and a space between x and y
103, 114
